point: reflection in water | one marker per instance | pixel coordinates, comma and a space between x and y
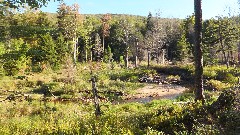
145, 100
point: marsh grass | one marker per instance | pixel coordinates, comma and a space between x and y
156, 117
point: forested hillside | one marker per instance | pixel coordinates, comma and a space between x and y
40, 37
73, 73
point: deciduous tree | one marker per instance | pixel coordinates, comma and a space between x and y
19, 3
68, 22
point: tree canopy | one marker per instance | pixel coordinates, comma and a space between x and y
19, 3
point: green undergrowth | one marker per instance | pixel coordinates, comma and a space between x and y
178, 116
75, 81
157, 117
216, 78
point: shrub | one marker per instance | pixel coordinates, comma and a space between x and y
107, 56
224, 102
185, 97
226, 77
209, 74
48, 47
15, 60
171, 78
216, 85
121, 61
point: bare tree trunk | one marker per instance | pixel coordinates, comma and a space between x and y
198, 51
103, 43
96, 102
136, 55
163, 56
86, 55
158, 56
148, 58
126, 57
239, 53
222, 46
228, 59
91, 56
75, 50
224, 53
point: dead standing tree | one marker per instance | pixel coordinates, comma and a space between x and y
136, 53
105, 28
198, 51
95, 96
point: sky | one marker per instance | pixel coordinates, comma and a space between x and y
167, 8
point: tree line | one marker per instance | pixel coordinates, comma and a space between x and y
32, 39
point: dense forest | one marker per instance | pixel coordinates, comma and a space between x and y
73, 73
32, 39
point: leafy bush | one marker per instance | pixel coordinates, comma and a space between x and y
226, 77
221, 73
15, 60
173, 78
209, 74
225, 101
107, 56
48, 47
216, 85
185, 97
121, 61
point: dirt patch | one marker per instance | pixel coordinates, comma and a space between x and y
155, 91
160, 90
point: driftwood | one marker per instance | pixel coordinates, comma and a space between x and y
157, 79
15, 97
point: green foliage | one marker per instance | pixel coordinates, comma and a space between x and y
17, 3
15, 59
121, 61
210, 73
225, 101
68, 21
220, 36
186, 97
2, 48
2, 51
150, 22
217, 76
88, 31
181, 51
108, 55
226, 77
187, 28
222, 73
48, 51
173, 78
62, 48
131, 75
156, 117
216, 85
48, 46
